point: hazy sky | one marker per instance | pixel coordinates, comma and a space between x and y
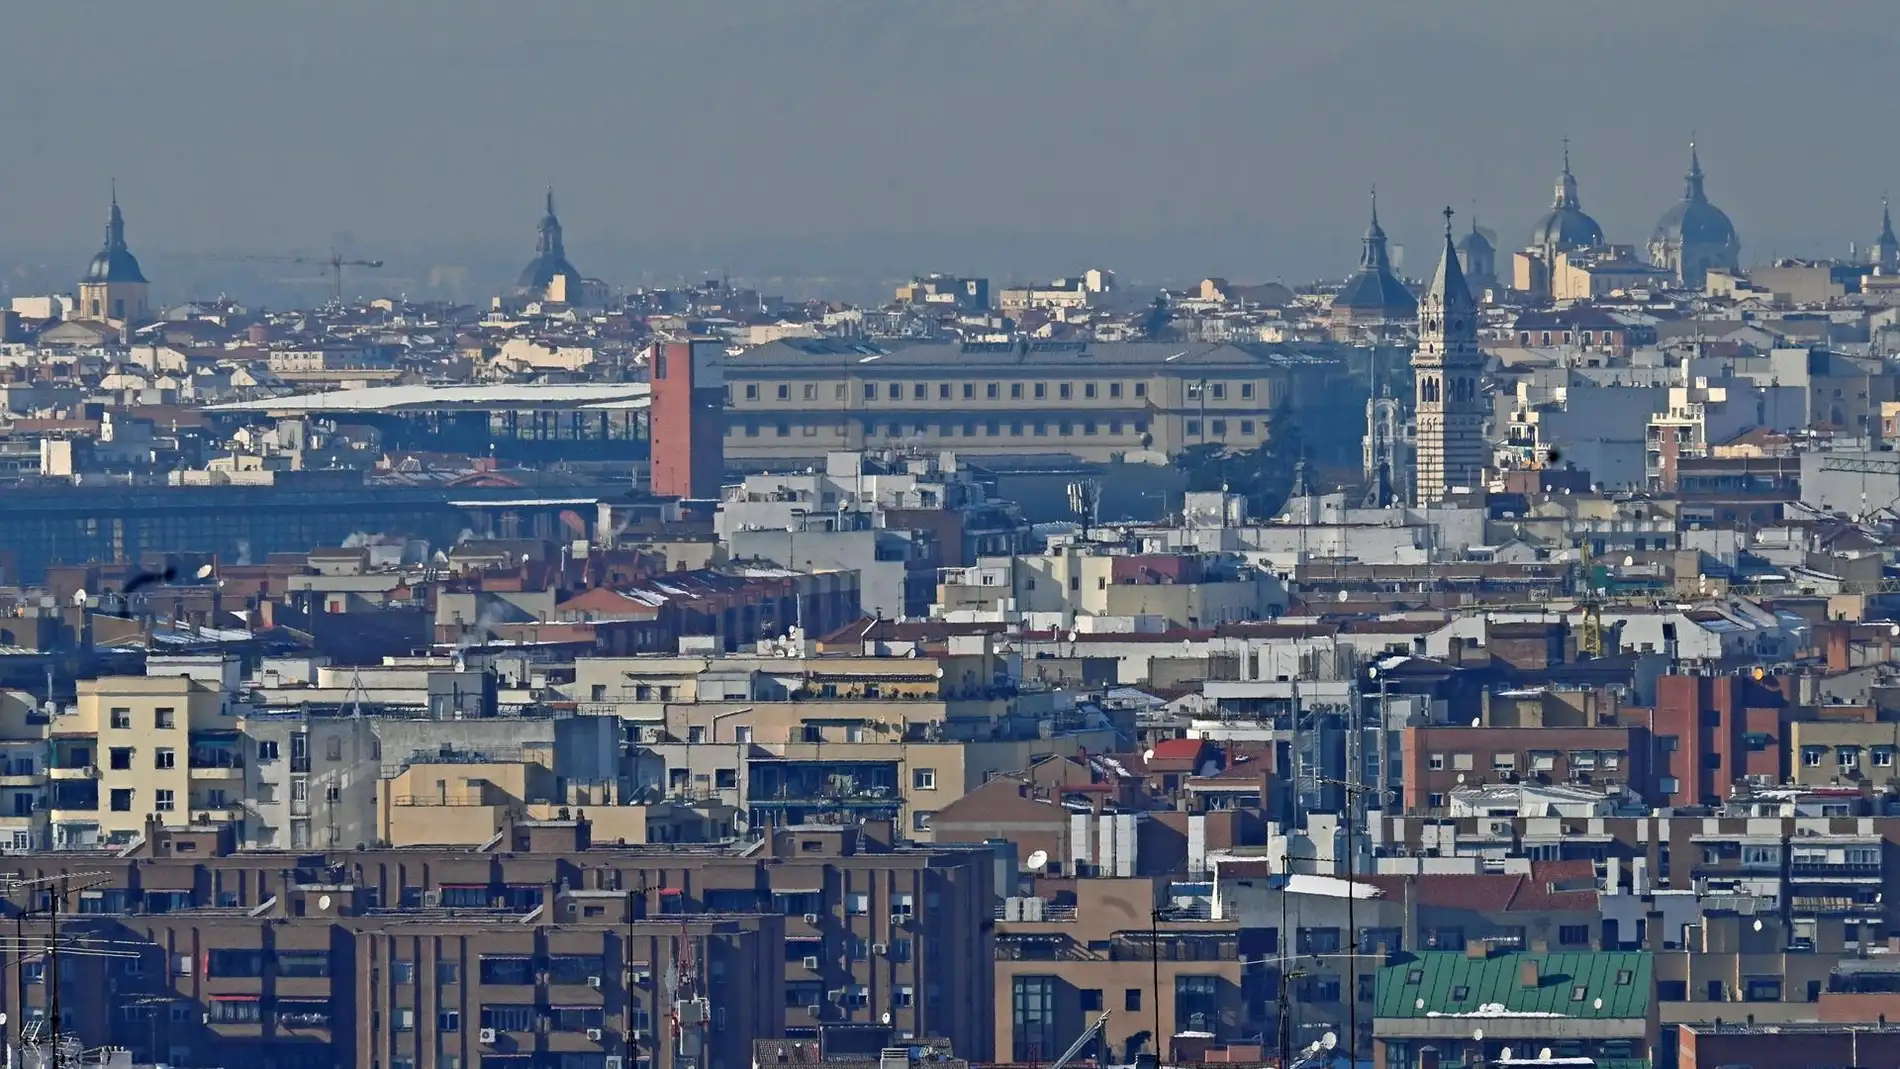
871, 137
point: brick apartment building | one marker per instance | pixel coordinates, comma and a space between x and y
539, 949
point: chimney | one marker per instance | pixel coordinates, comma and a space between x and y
1476, 950
1527, 973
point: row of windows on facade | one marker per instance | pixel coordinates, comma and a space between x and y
165, 719
1217, 428
1846, 756
519, 897
995, 391
1539, 761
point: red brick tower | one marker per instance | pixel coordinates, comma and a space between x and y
687, 423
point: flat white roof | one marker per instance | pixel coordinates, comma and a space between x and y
392, 398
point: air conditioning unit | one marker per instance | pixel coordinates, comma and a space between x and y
431, 899
816, 1009
811, 918
642, 977
593, 981
811, 963
593, 1034
898, 920
613, 1061
488, 1035
880, 948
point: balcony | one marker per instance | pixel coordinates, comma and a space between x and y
74, 772
1834, 870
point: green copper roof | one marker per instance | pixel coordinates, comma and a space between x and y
1568, 985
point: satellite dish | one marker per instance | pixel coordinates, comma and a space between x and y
1758, 924
1148, 755
1071, 635
1345, 595
1461, 777
1599, 1004
1418, 1004
1036, 860
79, 597
205, 570
323, 901
1543, 1055
1628, 560
1328, 1041
1505, 1054
1477, 1035
1477, 721
887, 1017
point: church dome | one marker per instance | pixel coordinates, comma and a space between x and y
1565, 225
1374, 292
550, 256
1693, 220
115, 262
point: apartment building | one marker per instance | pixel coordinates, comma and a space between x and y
541, 948
137, 746
1188, 590
1438, 760
806, 397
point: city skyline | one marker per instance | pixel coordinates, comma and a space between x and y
887, 163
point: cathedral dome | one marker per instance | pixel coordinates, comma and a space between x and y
1374, 293
1692, 220
550, 257
1565, 225
115, 262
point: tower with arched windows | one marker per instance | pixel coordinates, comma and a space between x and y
1447, 370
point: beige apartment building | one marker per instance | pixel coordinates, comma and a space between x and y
134, 747
793, 739
1096, 401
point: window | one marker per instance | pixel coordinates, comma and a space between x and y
1317, 941
1063, 391
1033, 1018
1131, 999
448, 972
1579, 993
969, 391
164, 757
1091, 998
1015, 391
811, 391
1883, 757
121, 799
923, 779
163, 801
1194, 426
121, 757
1436, 761
1088, 390
508, 1017
920, 821
163, 719
1503, 761
1220, 391
305, 964
1625, 977
784, 391
1042, 390
1811, 756
402, 971
1246, 427
870, 391
1848, 756
509, 970
1246, 391
1141, 389
1324, 988
267, 750
1197, 1001
122, 719
990, 391
448, 1021
1574, 935
1460, 993
241, 1010
1217, 427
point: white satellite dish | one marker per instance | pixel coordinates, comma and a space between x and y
1345, 595
205, 570
1758, 924
1328, 1041
1418, 1004
1599, 1004
323, 901
1628, 561
1477, 721
1071, 635
1147, 755
887, 1017
1461, 777
1477, 1035
1505, 1054
1543, 1055
1036, 860
79, 596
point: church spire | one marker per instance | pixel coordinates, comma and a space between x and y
1693, 191
1886, 237
1566, 184
1448, 288
548, 241
1375, 257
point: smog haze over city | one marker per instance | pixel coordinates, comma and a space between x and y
847, 140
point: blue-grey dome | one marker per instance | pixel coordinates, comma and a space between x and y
1693, 220
1566, 226
1374, 292
115, 262
550, 256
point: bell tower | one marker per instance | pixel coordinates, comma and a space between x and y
113, 288
1446, 370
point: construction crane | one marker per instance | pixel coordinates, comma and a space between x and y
336, 263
